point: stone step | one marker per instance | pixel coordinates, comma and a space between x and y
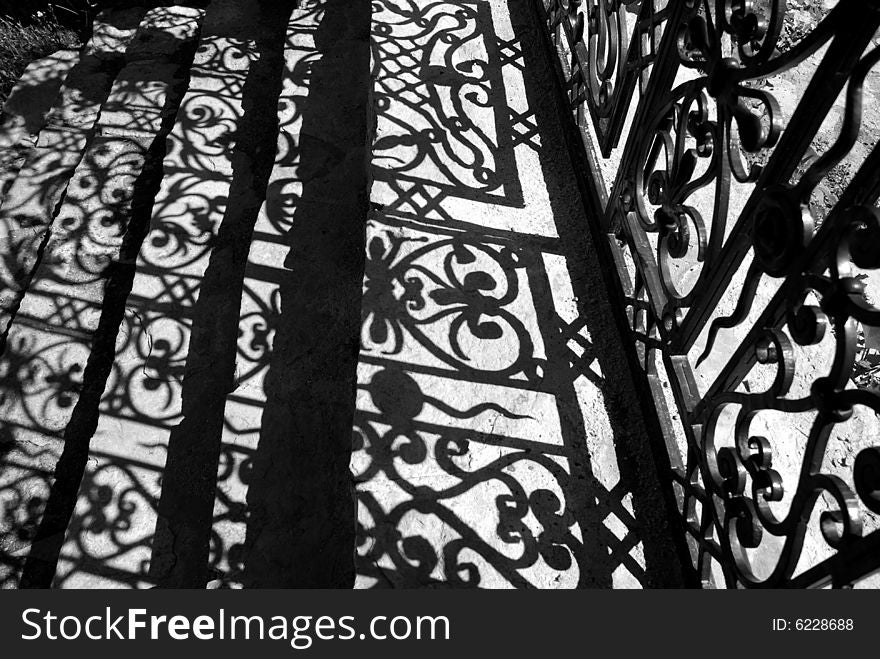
58, 319
25, 110
172, 352
30, 203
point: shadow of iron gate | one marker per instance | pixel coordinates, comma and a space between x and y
731, 173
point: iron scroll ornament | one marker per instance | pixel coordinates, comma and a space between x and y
704, 124
748, 510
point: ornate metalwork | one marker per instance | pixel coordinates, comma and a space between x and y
751, 297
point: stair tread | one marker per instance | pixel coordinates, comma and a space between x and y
31, 200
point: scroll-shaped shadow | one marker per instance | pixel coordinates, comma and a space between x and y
82, 318
170, 494
497, 439
177, 355
47, 143
444, 133
209, 398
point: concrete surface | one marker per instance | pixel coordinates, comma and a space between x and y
343, 328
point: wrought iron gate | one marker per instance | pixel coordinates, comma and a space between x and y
736, 173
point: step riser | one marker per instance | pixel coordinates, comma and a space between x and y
299, 529
243, 411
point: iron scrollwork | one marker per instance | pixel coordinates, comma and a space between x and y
775, 463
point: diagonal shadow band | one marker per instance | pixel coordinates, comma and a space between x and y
300, 530
185, 509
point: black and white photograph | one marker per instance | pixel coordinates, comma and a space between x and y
438, 295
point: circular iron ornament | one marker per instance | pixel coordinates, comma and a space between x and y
861, 244
781, 230
866, 474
